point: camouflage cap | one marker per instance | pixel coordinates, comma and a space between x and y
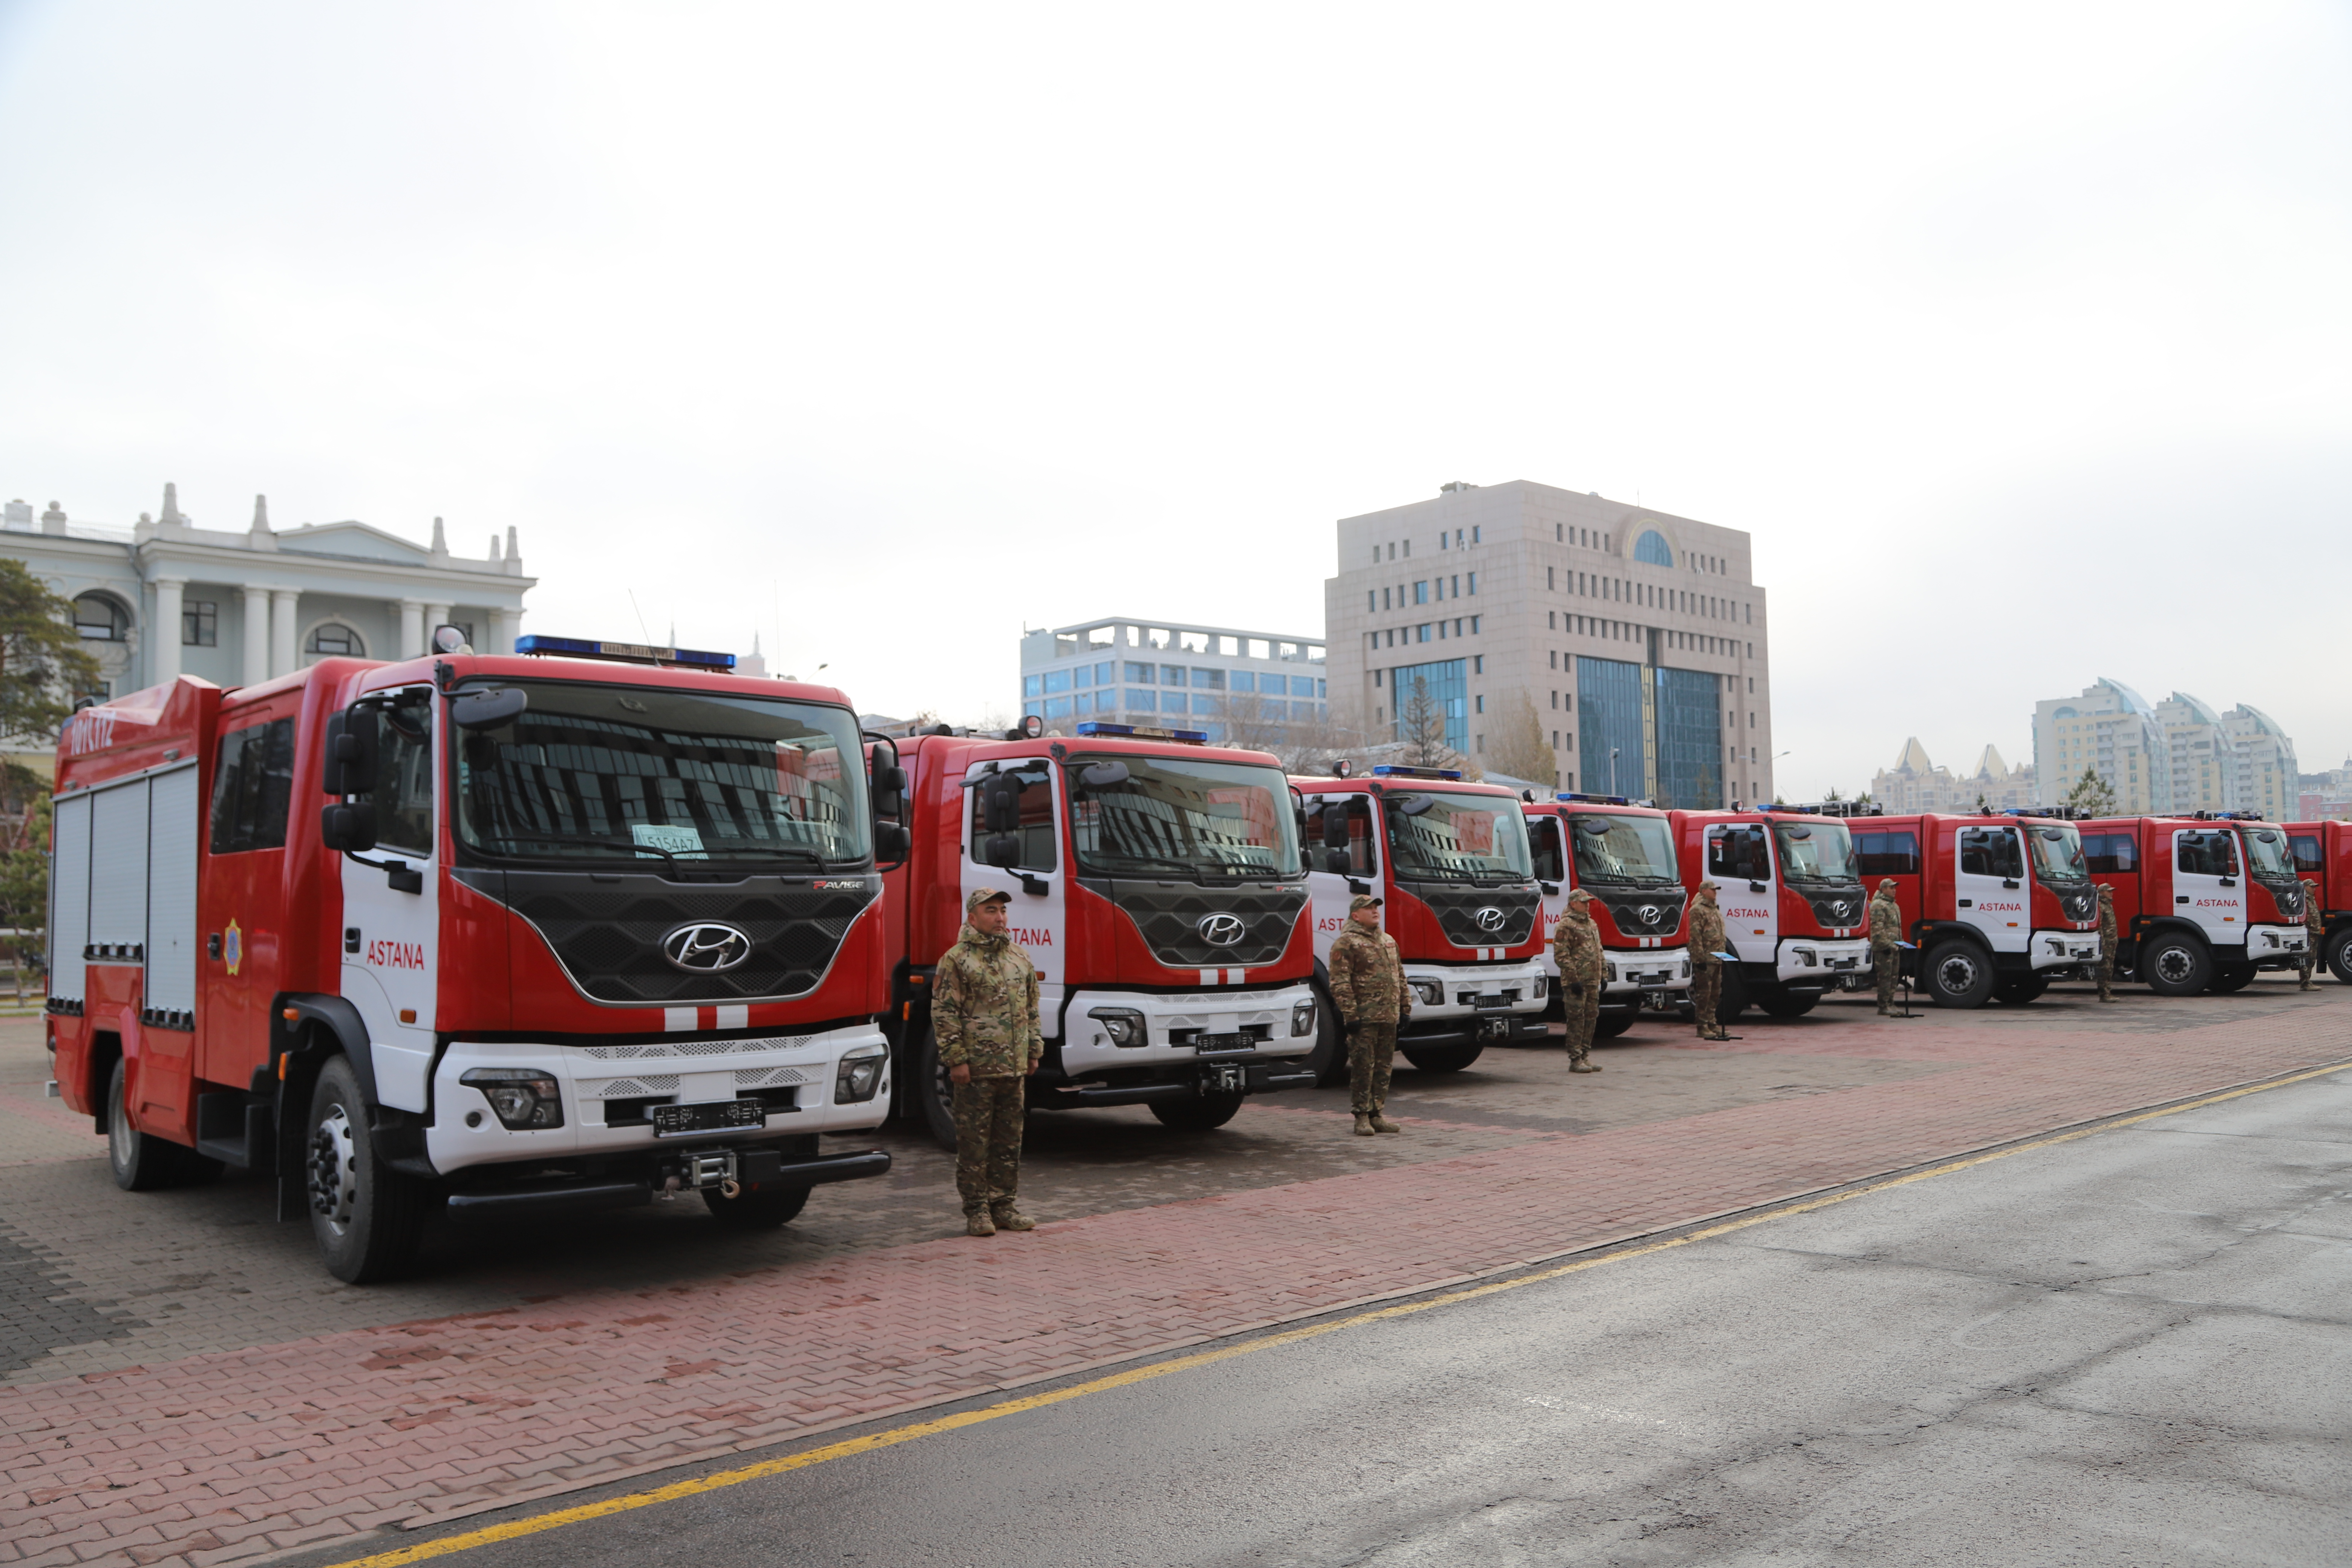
2107, 894
1886, 884
1362, 902
984, 895
1707, 888
1580, 896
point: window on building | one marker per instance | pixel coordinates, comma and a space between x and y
1140, 701
99, 617
1138, 674
1473, 536
1105, 672
1205, 704
199, 624
1244, 680
253, 785
1057, 680
1209, 679
1421, 592
1474, 583
335, 640
1172, 675
1057, 708
1372, 601
1421, 631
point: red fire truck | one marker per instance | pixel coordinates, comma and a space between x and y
1449, 862
1997, 906
510, 935
1157, 885
1793, 905
2202, 903
2322, 852
1624, 855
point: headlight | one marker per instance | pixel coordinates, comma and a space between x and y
1429, 992
1808, 957
1123, 1024
1612, 975
1302, 1018
1541, 980
522, 1097
860, 1073
1686, 973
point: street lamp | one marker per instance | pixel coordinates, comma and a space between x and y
1612, 770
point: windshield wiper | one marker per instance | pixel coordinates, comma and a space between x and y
632, 848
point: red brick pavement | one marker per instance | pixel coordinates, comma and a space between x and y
232, 1456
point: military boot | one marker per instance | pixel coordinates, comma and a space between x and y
1884, 1011
1364, 1128
1011, 1218
1578, 1064
1382, 1124
977, 1223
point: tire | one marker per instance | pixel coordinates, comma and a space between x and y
2175, 965
1782, 1003
1439, 1058
1957, 975
1206, 1114
1328, 1060
755, 1211
1609, 1026
2338, 955
935, 1096
2230, 977
365, 1218
2018, 992
140, 1162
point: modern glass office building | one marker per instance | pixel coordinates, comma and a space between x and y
1243, 685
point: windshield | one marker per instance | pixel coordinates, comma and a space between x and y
2267, 854
2058, 853
590, 773
1434, 836
1815, 851
1134, 816
1623, 849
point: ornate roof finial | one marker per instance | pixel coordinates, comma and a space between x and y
260, 514
170, 505
440, 539
494, 547
514, 551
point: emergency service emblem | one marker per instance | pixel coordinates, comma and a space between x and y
1222, 930
706, 947
232, 947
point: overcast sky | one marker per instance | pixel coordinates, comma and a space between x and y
2016, 335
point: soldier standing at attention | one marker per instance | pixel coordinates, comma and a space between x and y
1576, 948
1886, 942
2107, 942
2314, 928
1706, 940
985, 1014
1368, 986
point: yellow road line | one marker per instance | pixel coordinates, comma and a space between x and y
696, 1486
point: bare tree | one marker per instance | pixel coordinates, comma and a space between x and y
1255, 723
1520, 749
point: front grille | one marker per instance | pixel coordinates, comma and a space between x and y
1658, 914
1840, 907
1458, 912
2079, 905
1171, 915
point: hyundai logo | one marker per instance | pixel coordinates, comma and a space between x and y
1489, 918
1650, 915
705, 948
1838, 908
1222, 930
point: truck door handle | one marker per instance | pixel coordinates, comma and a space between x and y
2179, 898
212, 946
2006, 883
1967, 903
2229, 882
351, 939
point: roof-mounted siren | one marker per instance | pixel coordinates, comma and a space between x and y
1397, 771
1029, 729
620, 652
1343, 769
1142, 732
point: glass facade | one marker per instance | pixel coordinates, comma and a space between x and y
1608, 702
1447, 683
1689, 709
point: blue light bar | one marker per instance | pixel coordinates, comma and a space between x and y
1144, 732
1391, 770
621, 652
1592, 799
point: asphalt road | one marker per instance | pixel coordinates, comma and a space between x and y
2131, 1348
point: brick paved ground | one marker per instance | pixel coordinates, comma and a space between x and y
309, 1415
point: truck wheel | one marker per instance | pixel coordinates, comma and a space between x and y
2176, 964
2339, 955
1782, 1003
755, 1211
1444, 1058
1328, 1060
1206, 1114
1609, 1026
935, 1094
2228, 977
1958, 974
140, 1162
2018, 992
365, 1217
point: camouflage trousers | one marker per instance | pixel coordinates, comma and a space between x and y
1707, 991
1371, 1053
989, 1116
1886, 965
1581, 1013
2303, 964
2106, 976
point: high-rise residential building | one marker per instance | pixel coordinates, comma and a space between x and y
1914, 783
1249, 688
1633, 642
2178, 755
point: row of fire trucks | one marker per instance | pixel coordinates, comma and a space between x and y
593, 925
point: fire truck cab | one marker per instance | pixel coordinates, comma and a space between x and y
2202, 903
1155, 883
1449, 862
1624, 855
1996, 906
2322, 852
1792, 904
494, 935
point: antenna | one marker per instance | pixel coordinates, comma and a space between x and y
641, 617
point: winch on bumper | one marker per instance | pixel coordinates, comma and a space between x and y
1487, 1004
1126, 1047
1819, 961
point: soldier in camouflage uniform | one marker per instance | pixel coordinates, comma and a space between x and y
984, 1015
2314, 928
1368, 987
2107, 942
1885, 943
1576, 948
1706, 940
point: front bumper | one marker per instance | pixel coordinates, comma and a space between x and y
1633, 976
2063, 949
2276, 946
1170, 1023
1514, 998
1821, 961
795, 1075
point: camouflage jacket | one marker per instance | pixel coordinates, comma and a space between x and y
1706, 938
1886, 921
2106, 927
2312, 919
984, 1006
1576, 948
1367, 977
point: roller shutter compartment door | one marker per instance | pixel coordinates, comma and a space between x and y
69, 898
118, 872
171, 896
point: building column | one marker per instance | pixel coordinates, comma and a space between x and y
163, 633
504, 626
436, 617
283, 631
257, 635
412, 628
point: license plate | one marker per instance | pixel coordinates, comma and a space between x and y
1490, 1003
675, 1120
1221, 1042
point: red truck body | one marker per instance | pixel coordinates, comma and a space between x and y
1791, 903
1157, 886
2202, 903
1624, 856
2322, 852
207, 941
1996, 906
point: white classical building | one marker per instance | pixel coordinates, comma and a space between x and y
1915, 784
165, 596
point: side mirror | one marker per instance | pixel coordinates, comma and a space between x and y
1002, 851
1335, 826
347, 828
488, 710
354, 741
1337, 862
1000, 806
892, 842
1102, 775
